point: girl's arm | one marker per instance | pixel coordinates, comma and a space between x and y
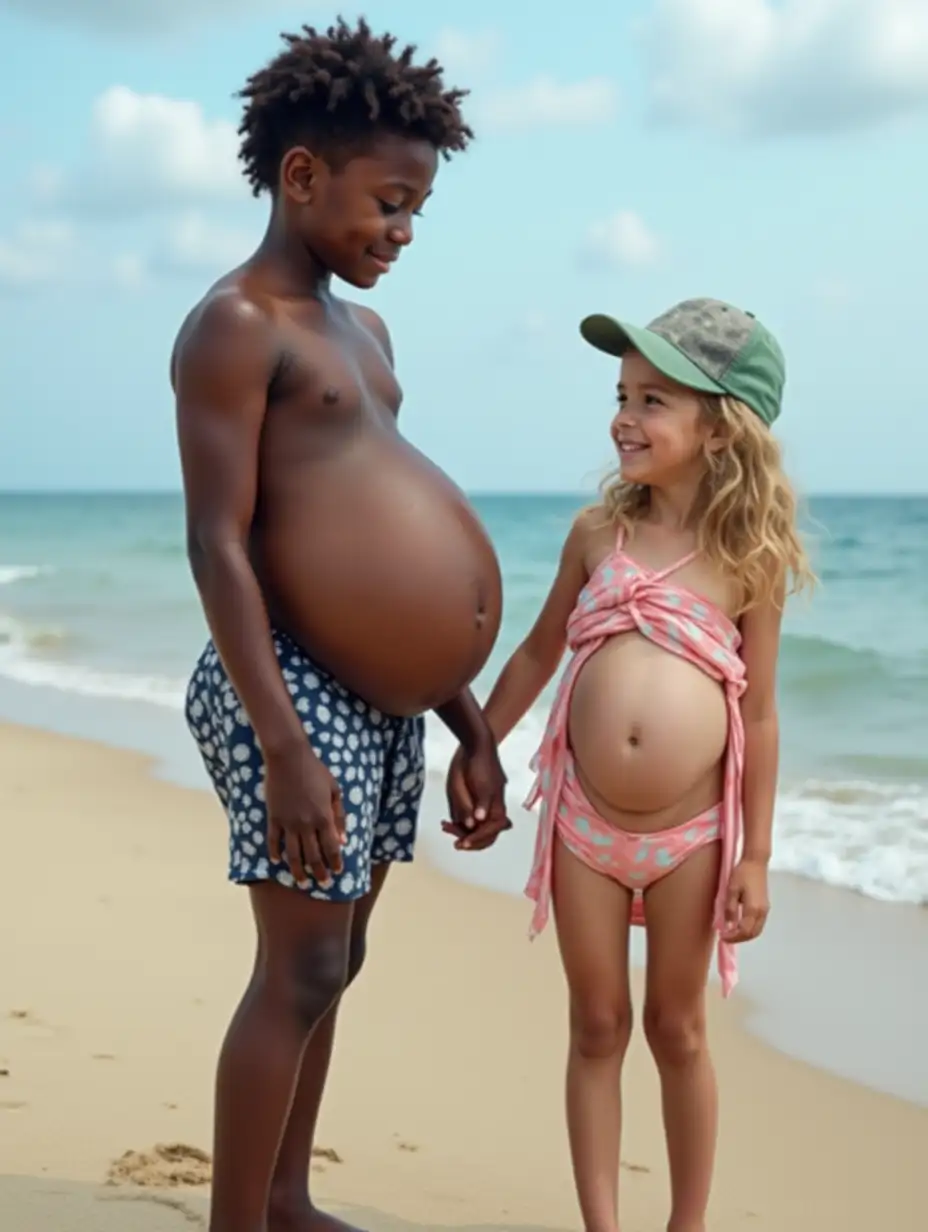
528, 671
748, 902
536, 660
760, 647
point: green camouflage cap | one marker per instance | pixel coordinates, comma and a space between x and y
704, 344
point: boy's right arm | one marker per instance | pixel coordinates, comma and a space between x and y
221, 369
221, 373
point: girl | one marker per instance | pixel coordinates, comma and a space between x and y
657, 771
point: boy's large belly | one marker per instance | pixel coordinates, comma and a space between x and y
648, 732
376, 563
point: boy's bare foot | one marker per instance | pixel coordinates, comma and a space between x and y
304, 1217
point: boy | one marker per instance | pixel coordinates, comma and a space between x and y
347, 584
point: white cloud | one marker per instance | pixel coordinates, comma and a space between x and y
195, 245
622, 239
545, 102
466, 53
528, 334
534, 326
42, 255
772, 67
129, 271
834, 292
148, 151
143, 17
192, 244
36, 254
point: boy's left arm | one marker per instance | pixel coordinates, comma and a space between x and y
483, 773
748, 901
463, 717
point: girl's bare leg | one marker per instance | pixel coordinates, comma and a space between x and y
679, 912
592, 914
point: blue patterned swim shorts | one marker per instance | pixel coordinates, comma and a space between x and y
377, 760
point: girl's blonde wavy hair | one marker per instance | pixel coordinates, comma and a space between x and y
745, 511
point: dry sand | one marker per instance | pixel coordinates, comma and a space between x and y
123, 952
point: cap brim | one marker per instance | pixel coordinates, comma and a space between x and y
617, 338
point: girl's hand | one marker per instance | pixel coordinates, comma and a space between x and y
748, 903
476, 799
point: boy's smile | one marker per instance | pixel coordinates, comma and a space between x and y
383, 263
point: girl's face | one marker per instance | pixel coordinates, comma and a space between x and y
660, 429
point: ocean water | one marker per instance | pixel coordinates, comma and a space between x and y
96, 601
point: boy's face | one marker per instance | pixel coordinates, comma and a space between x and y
357, 219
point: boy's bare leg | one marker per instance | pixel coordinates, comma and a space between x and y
300, 972
291, 1208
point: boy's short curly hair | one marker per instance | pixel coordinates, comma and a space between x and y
338, 88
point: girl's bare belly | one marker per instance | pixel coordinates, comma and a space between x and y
648, 732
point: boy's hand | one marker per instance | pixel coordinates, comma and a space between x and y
305, 817
748, 903
460, 803
476, 787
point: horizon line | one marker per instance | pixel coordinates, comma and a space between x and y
828, 493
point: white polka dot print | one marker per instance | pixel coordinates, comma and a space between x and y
377, 759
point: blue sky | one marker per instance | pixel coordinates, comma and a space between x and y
629, 155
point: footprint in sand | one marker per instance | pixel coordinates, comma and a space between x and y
327, 1155
634, 1167
165, 1166
407, 1146
172, 1204
12, 1105
33, 1023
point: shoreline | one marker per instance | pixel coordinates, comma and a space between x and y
131, 951
794, 1009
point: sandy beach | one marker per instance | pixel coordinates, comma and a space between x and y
123, 951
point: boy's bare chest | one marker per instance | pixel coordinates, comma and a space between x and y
333, 376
